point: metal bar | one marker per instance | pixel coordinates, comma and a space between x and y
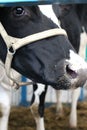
81, 98
23, 101
24, 2
33, 2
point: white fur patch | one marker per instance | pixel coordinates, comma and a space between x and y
38, 92
40, 89
40, 123
48, 11
76, 62
5, 96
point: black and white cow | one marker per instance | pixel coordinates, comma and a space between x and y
48, 61
51, 61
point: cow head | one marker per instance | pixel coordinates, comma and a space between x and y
51, 60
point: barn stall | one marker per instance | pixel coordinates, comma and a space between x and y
21, 100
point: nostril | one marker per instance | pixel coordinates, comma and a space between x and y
71, 72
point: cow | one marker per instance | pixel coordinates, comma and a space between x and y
73, 19
51, 61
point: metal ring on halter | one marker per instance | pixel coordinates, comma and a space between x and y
11, 50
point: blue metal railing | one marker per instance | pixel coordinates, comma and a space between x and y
23, 100
33, 2
24, 2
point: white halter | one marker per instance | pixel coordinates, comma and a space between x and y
16, 43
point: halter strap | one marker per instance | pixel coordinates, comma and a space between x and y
16, 43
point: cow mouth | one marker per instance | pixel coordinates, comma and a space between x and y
71, 73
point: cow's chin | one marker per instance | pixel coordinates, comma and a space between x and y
70, 80
65, 82
66, 77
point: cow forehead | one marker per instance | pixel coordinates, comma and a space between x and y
47, 10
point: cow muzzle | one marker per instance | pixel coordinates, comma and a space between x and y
69, 77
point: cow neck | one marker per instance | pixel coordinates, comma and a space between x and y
14, 44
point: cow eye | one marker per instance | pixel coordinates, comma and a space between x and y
18, 11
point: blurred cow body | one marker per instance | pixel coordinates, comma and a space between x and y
73, 19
